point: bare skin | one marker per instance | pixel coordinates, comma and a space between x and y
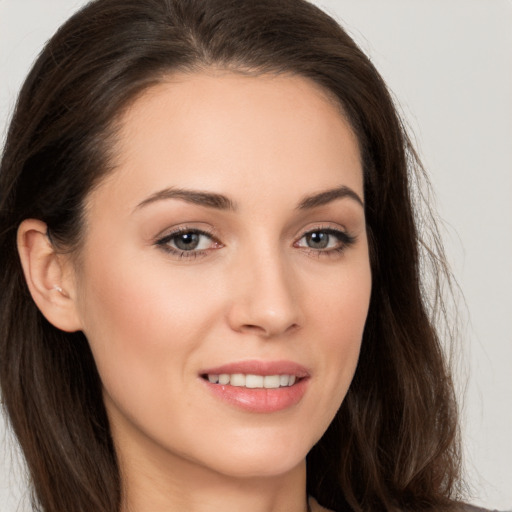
231, 233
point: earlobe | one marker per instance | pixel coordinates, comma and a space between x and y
48, 276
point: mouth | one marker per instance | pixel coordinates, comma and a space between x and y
258, 386
252, 381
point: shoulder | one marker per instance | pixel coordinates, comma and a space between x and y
464, 507
471, 508
316, 507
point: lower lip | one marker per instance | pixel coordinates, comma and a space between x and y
260, 400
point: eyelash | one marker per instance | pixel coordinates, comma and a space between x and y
344, 241
163, 243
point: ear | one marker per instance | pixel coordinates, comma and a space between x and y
49, 276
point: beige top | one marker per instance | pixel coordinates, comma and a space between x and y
316, 507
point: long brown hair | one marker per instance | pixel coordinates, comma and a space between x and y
393, 444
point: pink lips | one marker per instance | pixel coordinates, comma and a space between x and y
260, 400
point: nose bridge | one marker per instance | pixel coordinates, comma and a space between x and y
266, 301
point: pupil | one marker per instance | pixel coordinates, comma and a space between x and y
187, 241
317, 240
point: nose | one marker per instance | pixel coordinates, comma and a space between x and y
265, 299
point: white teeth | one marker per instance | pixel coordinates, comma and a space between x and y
284, 380
253, 381
237, 379
223, 378
271, 381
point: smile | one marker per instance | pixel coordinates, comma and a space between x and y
253, 381
258, 386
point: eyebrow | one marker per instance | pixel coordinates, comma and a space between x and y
208, 199
221, 202
327, 196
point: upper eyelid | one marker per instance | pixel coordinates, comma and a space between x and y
323, 227
169, 233
163, 242
332, 231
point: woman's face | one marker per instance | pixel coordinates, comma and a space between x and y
224, 279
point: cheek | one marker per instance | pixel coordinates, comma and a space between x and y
341, 305
142, 323
340, 314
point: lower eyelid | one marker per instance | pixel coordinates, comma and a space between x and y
343, 236
164, 243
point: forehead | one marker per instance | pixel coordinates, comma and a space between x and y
229, 132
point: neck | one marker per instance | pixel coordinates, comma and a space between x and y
181, 485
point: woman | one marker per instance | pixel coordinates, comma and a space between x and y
211, 285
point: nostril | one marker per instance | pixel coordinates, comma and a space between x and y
269, 330
253, 329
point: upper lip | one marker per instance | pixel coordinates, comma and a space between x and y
256, 367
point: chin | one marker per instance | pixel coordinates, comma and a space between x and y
254, 457
259, 467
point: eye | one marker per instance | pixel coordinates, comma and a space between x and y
325, 240
319, 240
187, 242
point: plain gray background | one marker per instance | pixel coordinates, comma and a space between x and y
449, 64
